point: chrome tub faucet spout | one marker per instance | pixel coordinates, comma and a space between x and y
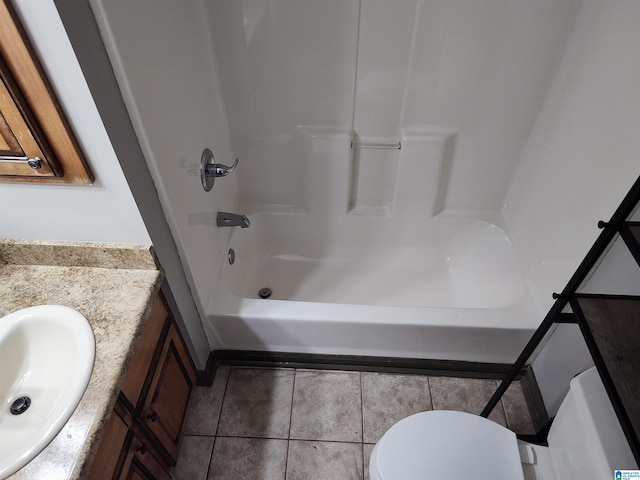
226, 219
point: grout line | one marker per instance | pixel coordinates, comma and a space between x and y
249, 437
328, 441
506, 418
254, 437
501, 402
224, 396
210, 459
215, 438
293, 391
361, 410
286, 463
362, 423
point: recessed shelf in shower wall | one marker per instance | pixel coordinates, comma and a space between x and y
373, 174
387, 180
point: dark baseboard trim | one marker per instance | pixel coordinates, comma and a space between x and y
416, 366
419, 366
204, 378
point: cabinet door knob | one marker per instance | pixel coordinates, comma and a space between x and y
142, 449
153, 416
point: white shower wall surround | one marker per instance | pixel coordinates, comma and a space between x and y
476, 68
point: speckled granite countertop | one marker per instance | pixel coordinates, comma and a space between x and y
113, 286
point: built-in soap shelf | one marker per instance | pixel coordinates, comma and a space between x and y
373, 175
391, 176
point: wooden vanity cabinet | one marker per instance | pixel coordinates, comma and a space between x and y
142, 439
167, 401
141, 460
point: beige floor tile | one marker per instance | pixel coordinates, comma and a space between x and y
466, 395
193, 462
321, 412
248, 458
388, 398
206, 404
327, 406
310, 460
257, 403
517, 410
367, 448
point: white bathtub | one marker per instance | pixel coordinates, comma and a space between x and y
452, 291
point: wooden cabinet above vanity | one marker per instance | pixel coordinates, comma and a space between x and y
36, 140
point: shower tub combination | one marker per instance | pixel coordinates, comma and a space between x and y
456, 292
381, 271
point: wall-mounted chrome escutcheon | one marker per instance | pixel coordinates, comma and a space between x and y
210, 170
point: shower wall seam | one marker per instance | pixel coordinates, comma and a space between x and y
410, 65
355, 74
206, 12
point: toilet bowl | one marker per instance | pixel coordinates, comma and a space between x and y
585, 441
443, 444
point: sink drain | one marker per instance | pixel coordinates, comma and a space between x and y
20, 405
265, 292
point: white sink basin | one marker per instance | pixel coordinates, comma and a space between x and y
46, 354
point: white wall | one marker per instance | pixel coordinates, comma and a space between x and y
478, 69
282, 64
582, 156
578, 164
169, 83
617, 274
481, 68
105, 211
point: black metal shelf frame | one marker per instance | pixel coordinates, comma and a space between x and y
618, 224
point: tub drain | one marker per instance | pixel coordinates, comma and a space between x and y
20, 405
265, 292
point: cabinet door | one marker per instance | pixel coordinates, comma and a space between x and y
142, 360
111, 447
141, 461
22, 145
32, 121
167, 402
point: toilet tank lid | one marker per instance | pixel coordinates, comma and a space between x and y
587, 424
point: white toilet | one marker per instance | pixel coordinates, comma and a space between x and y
585, 442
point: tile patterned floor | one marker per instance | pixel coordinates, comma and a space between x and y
298, 424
